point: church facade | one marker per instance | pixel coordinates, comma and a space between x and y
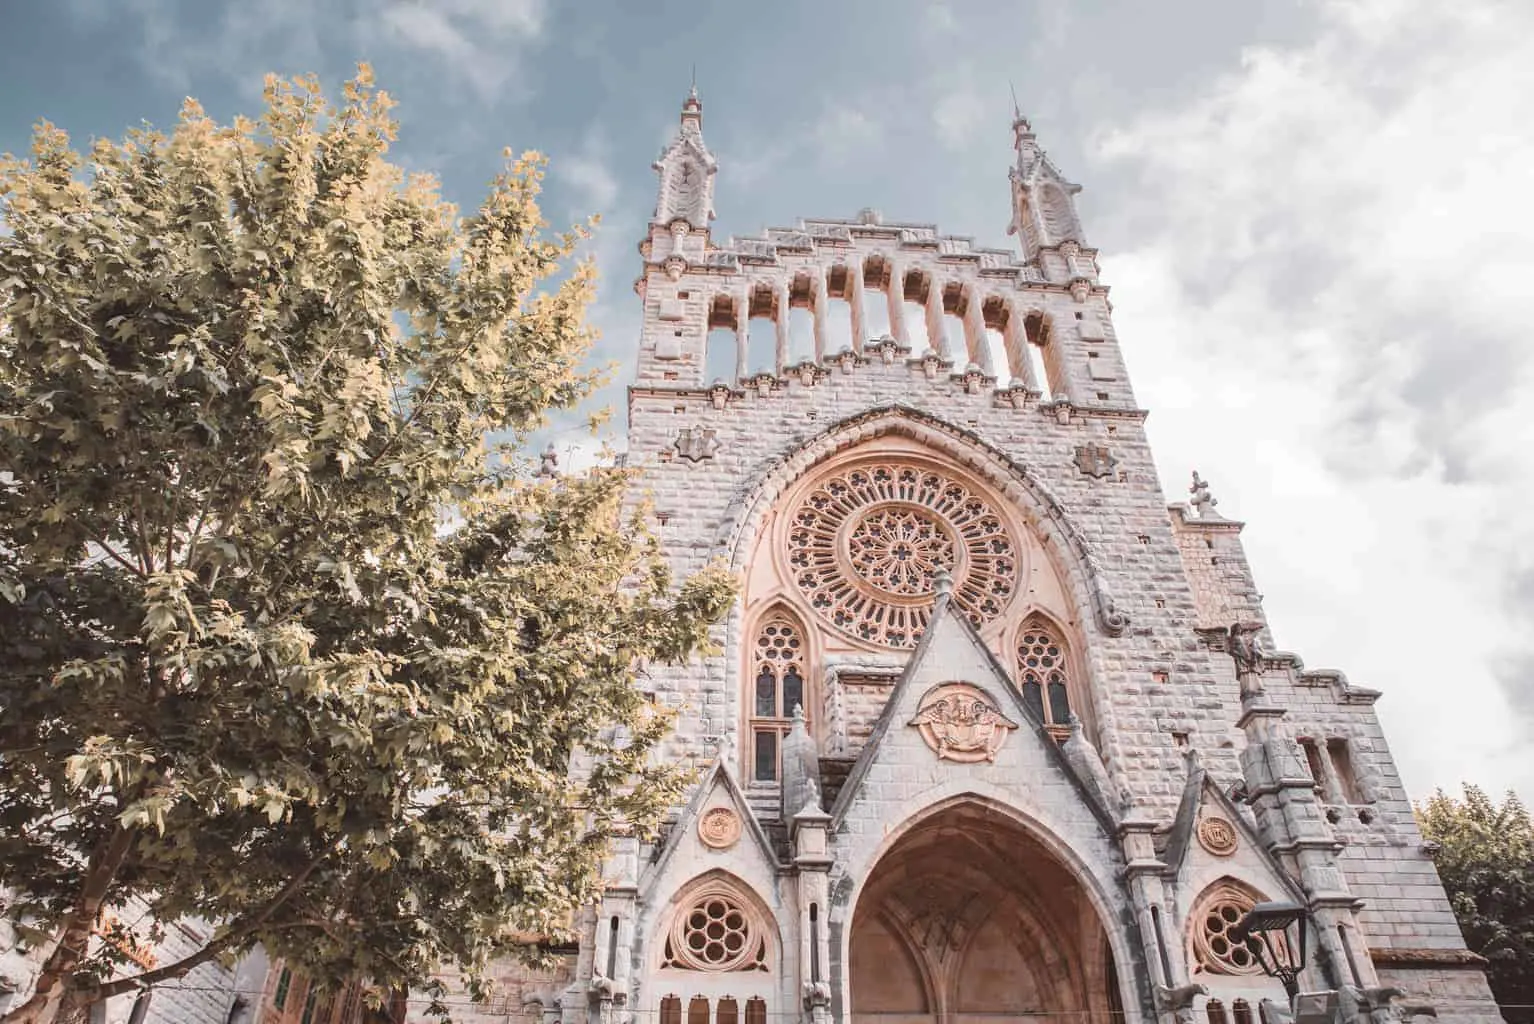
994, 732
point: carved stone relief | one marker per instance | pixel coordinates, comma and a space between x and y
1218, 836
1095, 460
961, 723
697, 443
719, 828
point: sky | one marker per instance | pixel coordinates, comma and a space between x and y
1315, 217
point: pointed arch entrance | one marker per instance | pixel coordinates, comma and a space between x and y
968, 919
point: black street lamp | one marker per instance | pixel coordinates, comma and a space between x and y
1279, 930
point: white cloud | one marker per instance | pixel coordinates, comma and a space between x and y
590, 175
844, 129
959, 112
476, 39
1325, 305
476, 42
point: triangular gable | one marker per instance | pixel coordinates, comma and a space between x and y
975, 663
1186, 857
718, 788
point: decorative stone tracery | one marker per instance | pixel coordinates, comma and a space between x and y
1214, 919
865, 543
717, 932
1041, 673
962, 723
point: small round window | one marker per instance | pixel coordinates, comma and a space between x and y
1216, 948
716, 933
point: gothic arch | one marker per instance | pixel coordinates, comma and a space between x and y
685, 894
1073, 659
768, 706
1106, 899
1043, 513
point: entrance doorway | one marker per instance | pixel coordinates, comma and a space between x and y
970, 920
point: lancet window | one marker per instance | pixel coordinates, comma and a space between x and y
1043, 673
778, 676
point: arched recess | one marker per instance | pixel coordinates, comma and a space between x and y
1042, 512
1228, 968
715, 909
1086, 592
993, 918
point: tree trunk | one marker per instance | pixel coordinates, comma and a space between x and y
54, 980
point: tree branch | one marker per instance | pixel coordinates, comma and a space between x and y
236, 933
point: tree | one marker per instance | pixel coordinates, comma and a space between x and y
1485, 857
288, 641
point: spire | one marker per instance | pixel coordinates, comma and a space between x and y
1043, 208
1024, 142
686, 170
692, 107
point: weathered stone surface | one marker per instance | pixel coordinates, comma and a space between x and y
1001, 375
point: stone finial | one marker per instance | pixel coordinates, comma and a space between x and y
549, 467
1203, 502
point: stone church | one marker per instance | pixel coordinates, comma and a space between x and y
996, 733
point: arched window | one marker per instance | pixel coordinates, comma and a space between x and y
1043, 673
1241, 1010
716, 931
671, 1010
1215, 947
777, 687
1216, 1011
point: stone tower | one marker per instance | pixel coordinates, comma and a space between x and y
995, 731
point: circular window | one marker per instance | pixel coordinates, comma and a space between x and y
1215, 946
715, 934
865, 543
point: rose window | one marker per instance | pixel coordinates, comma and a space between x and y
865, 544
898, 549
1215, 947
715, 934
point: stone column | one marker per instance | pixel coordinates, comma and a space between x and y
813, 860
742, 332
855, 300
780, 325
820, 298
1016, 340
974, 332
1172, 992
613, 951
895, 297
936, 336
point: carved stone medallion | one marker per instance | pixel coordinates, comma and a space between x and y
962, 723
1218, 836
719, 828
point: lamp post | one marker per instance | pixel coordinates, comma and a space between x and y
1279, 929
